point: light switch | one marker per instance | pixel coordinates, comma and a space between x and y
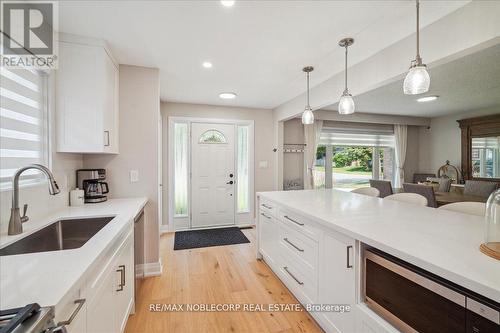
134, 176
263, 164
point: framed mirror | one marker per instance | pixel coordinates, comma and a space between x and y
481, 148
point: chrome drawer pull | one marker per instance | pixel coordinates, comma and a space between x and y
121, 269
266, 206
296, 280
267, 217
295, 246
349, 265
80, 303
292, 220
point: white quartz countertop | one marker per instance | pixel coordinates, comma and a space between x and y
442, 242
46, 277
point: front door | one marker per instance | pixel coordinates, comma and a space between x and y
213, 176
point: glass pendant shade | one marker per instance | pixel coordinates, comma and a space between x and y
308, 116
346, 104
491, 245
417, 81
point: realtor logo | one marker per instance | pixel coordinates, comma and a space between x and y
28, 34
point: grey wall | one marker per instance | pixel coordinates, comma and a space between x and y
139, 132
442, 141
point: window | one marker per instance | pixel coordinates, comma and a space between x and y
349, 155
243, 204
486, 157
180, 169
23, 127
212, 136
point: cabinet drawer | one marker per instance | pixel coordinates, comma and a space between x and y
268, 207
299, 223
269, 237
299, 247
303, 286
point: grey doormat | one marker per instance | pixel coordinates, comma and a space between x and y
192, 239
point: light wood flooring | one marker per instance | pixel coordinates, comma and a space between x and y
222, 274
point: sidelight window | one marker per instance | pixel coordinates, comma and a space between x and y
181, 169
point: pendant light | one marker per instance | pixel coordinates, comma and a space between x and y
417, 81
346, 103
308, 115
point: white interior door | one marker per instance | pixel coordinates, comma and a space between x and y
213, 178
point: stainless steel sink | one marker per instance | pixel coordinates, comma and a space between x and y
60, 235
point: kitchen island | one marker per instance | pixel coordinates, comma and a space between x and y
320, 235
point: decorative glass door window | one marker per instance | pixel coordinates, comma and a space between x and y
212, 136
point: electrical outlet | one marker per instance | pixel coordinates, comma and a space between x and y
263, 164
134, 176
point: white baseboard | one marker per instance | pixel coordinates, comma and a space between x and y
153, 269
164, 229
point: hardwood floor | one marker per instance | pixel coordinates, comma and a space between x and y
218, 275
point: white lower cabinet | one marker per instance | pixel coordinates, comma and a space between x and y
337, 280
100, 310
124, 286
315, 263
103, 300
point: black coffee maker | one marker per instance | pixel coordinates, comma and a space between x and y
91, 181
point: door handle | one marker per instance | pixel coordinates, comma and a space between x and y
80, 303
230, 182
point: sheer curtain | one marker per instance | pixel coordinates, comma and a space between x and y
312, 134
243, 204
181, 169
401, 138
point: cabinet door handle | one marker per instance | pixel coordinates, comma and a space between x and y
266, 206
121, 270
349, 257
80, 303
292, 220
293, 276
267, 217
295, 246
107, 144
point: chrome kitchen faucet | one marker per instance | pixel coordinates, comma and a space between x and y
16, 220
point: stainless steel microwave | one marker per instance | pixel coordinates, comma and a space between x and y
414, 300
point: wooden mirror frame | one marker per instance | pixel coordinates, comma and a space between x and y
476, 127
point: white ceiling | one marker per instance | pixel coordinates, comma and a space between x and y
258, 48
469, 83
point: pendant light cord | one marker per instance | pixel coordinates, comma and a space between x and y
308, 90
345, 67
418, 60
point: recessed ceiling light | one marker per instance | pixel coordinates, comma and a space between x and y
227, 95
427, 99
207, 64
227, 3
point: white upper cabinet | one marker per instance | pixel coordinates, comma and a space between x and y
86, 97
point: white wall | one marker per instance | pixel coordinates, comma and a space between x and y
40, 202
139, 117
442, 141
263, 128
